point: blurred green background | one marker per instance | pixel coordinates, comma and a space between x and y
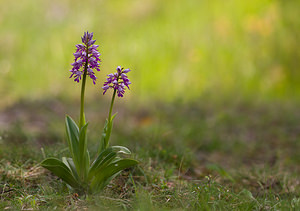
176, 49
215, 91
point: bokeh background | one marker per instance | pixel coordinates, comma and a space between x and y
176, 49
213, 106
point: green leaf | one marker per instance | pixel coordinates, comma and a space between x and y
104, 142
83, 141
58, 168
69, 162
73, 140
102, 145
105, 155
106, 160
121, 149
83, 158
109, 129
107, 173
106, 182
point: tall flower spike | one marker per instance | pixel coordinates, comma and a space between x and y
117, 81
86, 58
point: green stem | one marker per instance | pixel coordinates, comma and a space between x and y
82, 117
111, 105
107, 128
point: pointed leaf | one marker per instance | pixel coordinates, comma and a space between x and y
102, 145
105, 160
58, 168
100, 157
73, 139
106, 182
104, 153
107, 172
69, 162
72, 128
109, 129
104, 142
83, 140
83, 156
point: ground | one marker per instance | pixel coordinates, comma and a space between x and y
201, 155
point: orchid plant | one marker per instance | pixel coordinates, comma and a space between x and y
77, 171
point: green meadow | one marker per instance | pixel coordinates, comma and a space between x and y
212, 115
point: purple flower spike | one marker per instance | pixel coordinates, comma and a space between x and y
86, 58
117, 81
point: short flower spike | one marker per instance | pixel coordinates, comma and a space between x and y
117, 81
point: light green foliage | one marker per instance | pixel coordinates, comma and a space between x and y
77, 172
249, 47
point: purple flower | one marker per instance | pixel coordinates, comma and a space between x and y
86, 58
117, 81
